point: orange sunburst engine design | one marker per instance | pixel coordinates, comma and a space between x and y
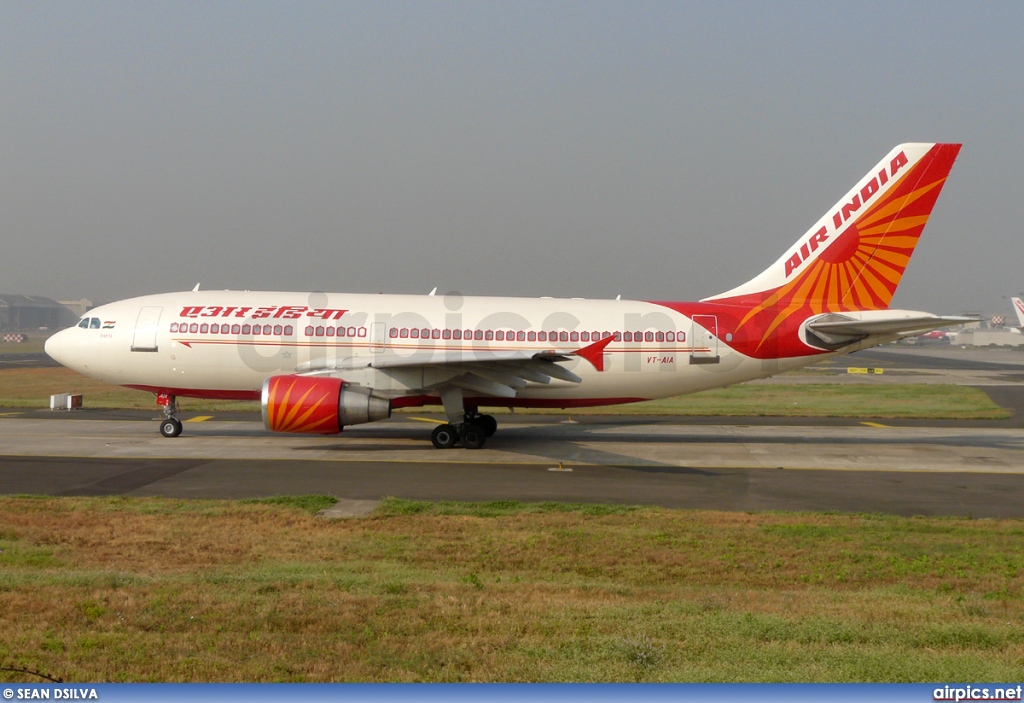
302, 404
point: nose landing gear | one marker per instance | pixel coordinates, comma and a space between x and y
170, 425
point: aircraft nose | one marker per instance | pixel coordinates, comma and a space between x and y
52, 347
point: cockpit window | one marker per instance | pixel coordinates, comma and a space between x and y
94, 323
84, 324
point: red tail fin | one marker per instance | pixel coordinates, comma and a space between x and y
855, 256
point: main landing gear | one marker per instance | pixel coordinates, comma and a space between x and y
471, 433
170, 425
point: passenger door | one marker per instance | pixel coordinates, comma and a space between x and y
146, 327
704, 339
378, 336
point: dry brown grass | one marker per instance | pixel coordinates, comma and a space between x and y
119, 589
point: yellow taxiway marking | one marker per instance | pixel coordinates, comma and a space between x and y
428, 419
874, 424
10, 414
200, 418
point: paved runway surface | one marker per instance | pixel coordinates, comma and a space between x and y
927, 471
28, 360
937, 356
905, 467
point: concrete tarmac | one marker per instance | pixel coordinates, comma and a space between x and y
944, 357
906, 467
857, 468
26, 360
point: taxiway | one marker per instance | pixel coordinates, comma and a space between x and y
907, 467
656, 461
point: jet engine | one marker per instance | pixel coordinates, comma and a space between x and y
318, 405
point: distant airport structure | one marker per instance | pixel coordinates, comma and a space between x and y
78, 307
29, 313
989, 337
995, 333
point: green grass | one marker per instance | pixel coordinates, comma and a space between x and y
31, 388
34, 345
310, 504
884, 400
393, 507
124, 589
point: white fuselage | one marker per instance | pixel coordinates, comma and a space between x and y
205, 343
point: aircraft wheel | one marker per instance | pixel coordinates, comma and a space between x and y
488, 424
473, 437
171, 427
444, 436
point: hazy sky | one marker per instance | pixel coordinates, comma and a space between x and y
654, 150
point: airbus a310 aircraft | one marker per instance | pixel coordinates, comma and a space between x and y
319, 362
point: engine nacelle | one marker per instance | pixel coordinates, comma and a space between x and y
318, 405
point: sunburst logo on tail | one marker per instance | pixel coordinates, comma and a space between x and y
859, 268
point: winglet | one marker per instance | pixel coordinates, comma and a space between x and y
594, 353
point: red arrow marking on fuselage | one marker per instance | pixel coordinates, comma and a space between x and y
594, 353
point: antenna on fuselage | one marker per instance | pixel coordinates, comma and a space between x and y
196, 288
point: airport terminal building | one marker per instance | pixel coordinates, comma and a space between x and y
29, 313
989, 337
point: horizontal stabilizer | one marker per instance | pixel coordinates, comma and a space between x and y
841, 329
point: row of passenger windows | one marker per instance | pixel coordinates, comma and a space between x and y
541, 336
215, 328
425, 333
336, 331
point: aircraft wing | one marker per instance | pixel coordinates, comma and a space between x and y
494, 373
